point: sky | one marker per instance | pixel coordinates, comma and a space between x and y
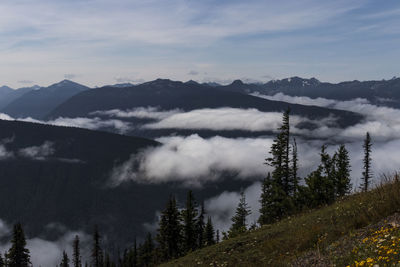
97, 42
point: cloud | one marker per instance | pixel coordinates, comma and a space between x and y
4, 153
70, 76
91, 123
26, 81
194, 160
382, 122
128, 80
225, 119
141, 113
193, 72
38, 152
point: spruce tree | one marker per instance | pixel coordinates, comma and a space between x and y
97, 253
280, 155
285, 132
367, 174
200, 227
282, 184
189, 223
145, 255
18, 254
209, 233
217, 238
342, 181
328, 174
169, 233
239, 224
294, 169
65, 260
76, 254
319, 188
273, 201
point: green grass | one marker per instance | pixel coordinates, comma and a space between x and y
309, 234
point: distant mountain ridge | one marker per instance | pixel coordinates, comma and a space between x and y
8, 94
171, 95
377, 92
38, 103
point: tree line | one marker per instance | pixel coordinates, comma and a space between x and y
184, 230
283, 194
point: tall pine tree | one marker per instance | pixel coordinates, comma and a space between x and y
283, 183
272, 201
200, 226
239, 224
169, 233
97, 253
18, 254
342, 181
294, 169
367, 174
76, 254
189, 215
145, 255
65, 260
209, 232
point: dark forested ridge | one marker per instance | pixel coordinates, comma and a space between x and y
70, 186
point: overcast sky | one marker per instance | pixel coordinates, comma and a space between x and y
99, 42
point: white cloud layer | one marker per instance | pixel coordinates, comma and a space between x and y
383, 123
79, 122
38, 152
225, 119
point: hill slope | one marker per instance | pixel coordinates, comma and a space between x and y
38, 103
305, 239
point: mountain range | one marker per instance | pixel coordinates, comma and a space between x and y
37, 103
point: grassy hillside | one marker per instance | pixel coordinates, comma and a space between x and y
330, 235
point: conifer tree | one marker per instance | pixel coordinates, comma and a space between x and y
146, 252
294, 169
18, 254
189, 223
209, 233
281, 185
134, 254
217, 238
239, 224
65, 260
367, 174
319, 188
97, 253
169, 233
280, 152
200, 227
273, 201
76, 254
342, 181
285, 131
107, 260
1, 261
